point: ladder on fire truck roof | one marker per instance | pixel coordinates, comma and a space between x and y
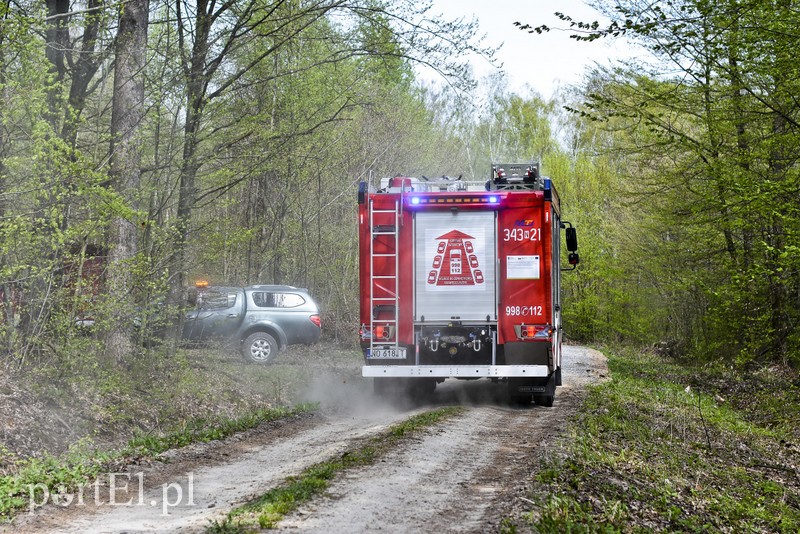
389, 281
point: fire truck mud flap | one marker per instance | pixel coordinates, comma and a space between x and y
541, 390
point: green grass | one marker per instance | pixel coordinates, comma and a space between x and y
671, 447
79, 467
267, 510
204, 430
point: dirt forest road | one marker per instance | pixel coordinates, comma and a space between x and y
465, 474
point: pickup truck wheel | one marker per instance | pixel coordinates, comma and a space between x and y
260, 347
544, 400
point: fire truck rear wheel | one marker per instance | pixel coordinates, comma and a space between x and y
260, 347
522, 400
414, 388
544, 400
384, 387
422, 388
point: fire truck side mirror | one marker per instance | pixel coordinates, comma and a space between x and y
572, 241
573, 258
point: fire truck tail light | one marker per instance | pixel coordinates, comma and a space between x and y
382, 332
528, 331
535, 331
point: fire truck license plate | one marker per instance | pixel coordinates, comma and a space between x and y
387, 354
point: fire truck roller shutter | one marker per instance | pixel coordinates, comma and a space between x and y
455, 256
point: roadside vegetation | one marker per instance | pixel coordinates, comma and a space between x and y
77, 469
108, 423
675, 446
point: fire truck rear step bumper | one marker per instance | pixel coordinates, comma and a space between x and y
457, 371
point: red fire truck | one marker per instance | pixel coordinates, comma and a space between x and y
462, 279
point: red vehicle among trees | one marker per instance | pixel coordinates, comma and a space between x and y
462, 279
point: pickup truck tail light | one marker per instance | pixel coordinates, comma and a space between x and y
316, 320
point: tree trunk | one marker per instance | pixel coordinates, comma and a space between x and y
57, 43
126, 118
197, 82
84, 68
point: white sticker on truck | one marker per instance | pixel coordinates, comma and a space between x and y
454, 259
522, 267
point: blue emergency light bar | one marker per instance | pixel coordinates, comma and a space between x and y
450, 200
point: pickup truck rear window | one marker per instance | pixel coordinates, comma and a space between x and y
264, 299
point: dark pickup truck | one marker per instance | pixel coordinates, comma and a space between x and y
261, 319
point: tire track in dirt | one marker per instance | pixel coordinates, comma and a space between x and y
213, 478
460, 476
413, 489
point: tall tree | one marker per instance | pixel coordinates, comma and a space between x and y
273, 95
128, 110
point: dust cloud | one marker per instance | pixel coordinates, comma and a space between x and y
350, 395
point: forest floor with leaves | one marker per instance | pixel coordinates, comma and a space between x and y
676, 446
53, 409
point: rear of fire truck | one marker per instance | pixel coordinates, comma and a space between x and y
462, 280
